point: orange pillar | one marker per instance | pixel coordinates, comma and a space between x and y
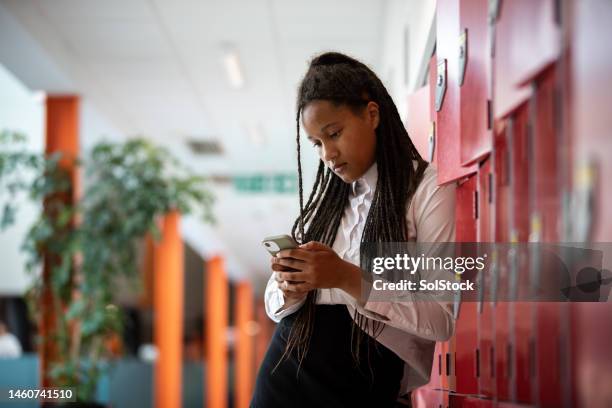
264, 333
244, 344
61, 135
168, 309
216, 312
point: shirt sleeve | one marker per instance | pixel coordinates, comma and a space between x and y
423, 314
275, 301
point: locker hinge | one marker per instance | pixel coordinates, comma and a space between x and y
440, 84
463, 55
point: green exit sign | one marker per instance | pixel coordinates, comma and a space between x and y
266, 183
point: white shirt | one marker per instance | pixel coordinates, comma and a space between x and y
412, 327
9, 346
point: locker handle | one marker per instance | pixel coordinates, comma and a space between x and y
477, 363
440, 84
432, 141
463, 55
509, 360
493, 11
492, 361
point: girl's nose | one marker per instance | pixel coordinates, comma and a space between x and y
328, 152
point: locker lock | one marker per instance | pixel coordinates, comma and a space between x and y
440, 84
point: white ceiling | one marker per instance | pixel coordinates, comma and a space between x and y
154, 67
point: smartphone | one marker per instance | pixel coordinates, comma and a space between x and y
277, 243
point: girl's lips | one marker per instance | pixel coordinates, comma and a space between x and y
340, 168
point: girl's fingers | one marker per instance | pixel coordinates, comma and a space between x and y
290, 263
292, 276
296, 253
282, 268
280, 281
296, 287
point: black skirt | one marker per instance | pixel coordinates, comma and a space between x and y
329, 375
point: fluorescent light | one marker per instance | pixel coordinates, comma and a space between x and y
39, 96
233, 70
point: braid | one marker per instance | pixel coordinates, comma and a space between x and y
343, 80
300, 183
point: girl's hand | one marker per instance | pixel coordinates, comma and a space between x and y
317, 267
291, 294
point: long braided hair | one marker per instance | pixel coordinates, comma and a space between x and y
343, 80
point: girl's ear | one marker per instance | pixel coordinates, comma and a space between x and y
373, 114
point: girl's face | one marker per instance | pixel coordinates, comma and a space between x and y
345, 140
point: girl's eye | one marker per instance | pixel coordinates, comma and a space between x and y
316, 144
335, 134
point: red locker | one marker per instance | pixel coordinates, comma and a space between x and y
486, 337
457, 401
544, 228
418, 120
503, 345
545, 170
463, 345
474, 80
521, 316
591, 173
591, 64
518, 160
447, 105
527, 39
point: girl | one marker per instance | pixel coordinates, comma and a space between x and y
332, 348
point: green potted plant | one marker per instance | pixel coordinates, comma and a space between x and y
91, 244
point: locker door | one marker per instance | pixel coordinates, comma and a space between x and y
527, 39
503, 345
474, 80
418, 120
544, 221
518, 160
464, 343
456, 401
447, 105
521, 323
592, 172
486, 345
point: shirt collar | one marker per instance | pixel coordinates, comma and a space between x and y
365, 184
